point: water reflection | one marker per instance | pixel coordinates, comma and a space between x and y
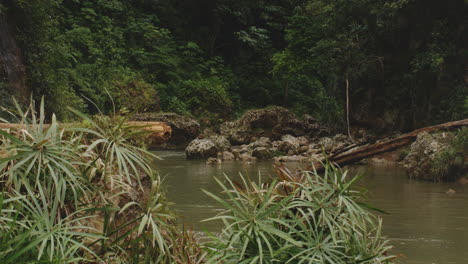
426, 224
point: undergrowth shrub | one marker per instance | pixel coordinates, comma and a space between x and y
306, 218
450, 163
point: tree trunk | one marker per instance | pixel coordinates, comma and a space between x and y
12, 69
286, 92
347, 109
159, 132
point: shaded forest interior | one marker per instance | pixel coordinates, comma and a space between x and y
406, 61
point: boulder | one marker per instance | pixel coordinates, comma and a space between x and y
206, 133
291, 140
303, 149
272, 122
207, 147
238, 150
303, 141
201, 149
261, 142
326, 144
262, 153
184, 129
450, 191
285, 147
314, 148
247, 158
220, 142
432, 158
227, 156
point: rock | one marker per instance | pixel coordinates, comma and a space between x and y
238, 150
261, 142
431, 158
291, 140
463, 180
326, 143
201, 149
262, 153
247, 158
340, 138
450, 191
311, 124
220, 142
206, 147
184, 129
313, 148
227, 156
213, 161
303, 141
285, 147
272, 122
303, 149
207, 132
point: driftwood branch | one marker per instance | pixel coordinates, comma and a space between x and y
350, 156
159, 132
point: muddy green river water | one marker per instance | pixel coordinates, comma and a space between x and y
425, 224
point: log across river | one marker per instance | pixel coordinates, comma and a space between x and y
352, 155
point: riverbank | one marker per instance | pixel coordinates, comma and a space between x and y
437, 153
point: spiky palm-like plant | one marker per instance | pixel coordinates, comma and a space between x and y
309, 218
77, 194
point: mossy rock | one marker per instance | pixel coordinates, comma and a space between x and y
437, 157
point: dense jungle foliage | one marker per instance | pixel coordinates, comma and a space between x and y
405, 61
85, 193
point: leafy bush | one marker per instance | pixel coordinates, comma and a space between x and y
403, 153
305, 218
450, 163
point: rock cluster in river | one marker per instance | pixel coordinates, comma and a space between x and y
272, 122
265, 134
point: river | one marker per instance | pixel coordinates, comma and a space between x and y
425, 224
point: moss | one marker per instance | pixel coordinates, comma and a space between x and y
403, 153
449, 164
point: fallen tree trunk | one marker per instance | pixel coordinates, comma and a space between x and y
159, 132
350, 156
